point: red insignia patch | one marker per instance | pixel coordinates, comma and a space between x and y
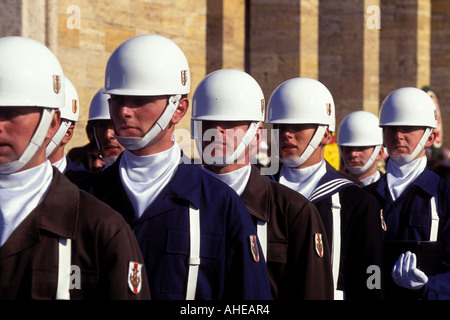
263, 106
254, 247
56, 83
135, 277
184, 77
329, 109
74, 106
383, 223
318, 244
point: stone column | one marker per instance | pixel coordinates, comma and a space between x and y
225, 35
440, 61
341, 53
11, 18
404, 44
283, 41
371, 54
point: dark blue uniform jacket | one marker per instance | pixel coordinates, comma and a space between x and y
409, 218
227, 270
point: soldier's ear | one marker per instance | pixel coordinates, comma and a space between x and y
431, 139
54, 125
326, 137
180, 111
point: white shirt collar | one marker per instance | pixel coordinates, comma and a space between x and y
303, 180
236, 179
61, 164
371, 179
144, 177
399, 177
20, 193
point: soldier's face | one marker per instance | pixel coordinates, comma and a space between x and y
109, 146
224, 136
356, 157
294, 138
402, 140
17, 126
133, 116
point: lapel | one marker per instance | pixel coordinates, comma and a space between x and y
257, 195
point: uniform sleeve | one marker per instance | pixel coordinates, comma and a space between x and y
123, 275
247, 276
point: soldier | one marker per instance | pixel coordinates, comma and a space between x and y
302, 110
230, 104
55, 149
56, 242
195, 233
360, 142
415, 200
108, 146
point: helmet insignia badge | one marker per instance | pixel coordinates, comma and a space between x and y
329, 109
56, 83
184, 77
74, 106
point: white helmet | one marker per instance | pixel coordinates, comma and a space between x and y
69, 113
360, 129
148, 65
99, 107
302, 101
228, 95
30, 75
409, 107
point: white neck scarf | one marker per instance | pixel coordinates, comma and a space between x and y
303, 180
20, 193
401, 176
144, 177
61, 164
371, 179
237, 179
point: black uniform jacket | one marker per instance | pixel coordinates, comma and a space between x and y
361, 232
103, 246
299, 268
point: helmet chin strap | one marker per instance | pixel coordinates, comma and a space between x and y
136, 143
410, 157
109, 160
221, 161
34, 144
367, 165
296, 162
57, 138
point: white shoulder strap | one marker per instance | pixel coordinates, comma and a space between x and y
434, 220
336, 243
194, 257
64, 262
262, 236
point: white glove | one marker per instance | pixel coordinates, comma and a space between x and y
405, 273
